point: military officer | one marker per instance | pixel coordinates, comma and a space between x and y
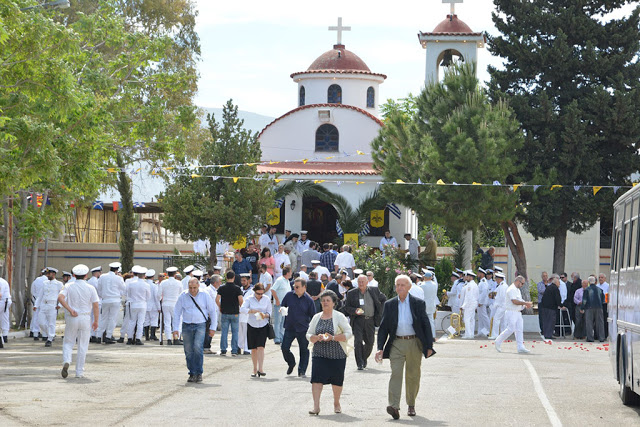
153, 308
188, 274
138, 292
47, 302
110, 289
170, 290
35, 319
93, 281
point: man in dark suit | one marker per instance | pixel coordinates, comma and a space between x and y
363, 305
404, 337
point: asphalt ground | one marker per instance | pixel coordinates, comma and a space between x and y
466, 383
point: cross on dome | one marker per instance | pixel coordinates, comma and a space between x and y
339, 29
453, 5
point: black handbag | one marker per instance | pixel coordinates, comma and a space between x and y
271, 334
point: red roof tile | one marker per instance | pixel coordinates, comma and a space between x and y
319, 168
452, 27
339, 60
304, 107
368, 73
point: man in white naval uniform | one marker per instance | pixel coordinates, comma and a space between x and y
47, 302
80, 299
93, 281
483, 303
469, 304
5, 310
387, 241
497, 311
111, 289
430, 289
269, 240
247, 291
513, 316
303, 244
35, 319
153, 308
188, 274
170, 290
138, 292
453, 294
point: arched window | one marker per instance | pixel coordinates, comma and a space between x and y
371, 97
327, 138
334, 94
301, 99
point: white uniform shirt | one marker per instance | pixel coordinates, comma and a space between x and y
170, 290
80, 296
48, 293
373, 282
93, 281
604, 287
322, 270
513, 293
267, 241
430, 290
416, 291
5, 292
111, 287
563, 291
304, 275
185, 282
280, 258
266, 279
190, 314
36, 285
344, 260
138, 292
483, 292
153, 302
470, 296
414, 246
501, 294
391, 241
302, 246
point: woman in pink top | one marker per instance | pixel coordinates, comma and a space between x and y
267, 259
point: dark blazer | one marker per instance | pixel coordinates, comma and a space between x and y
352, 302
551, 299
333, 286
389, 325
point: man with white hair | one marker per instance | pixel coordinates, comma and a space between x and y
372, 281
153, 308
469, 304
110, 290
345, 261
514, 305
138, 292
430, 289
80, 299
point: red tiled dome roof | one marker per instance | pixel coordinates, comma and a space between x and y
339, 58
452, 25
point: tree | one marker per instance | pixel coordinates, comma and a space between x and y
572, 79
199, 207
456, 135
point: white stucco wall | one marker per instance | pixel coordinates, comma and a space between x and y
354, 89
293, 137
434, 47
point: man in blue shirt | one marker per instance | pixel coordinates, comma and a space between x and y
195, 308
300, 310
328, 257
240, 266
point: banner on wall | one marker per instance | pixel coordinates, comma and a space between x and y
239, 244
377, 218
351, 239
273, 218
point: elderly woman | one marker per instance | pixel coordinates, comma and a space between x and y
258, 307
328, 331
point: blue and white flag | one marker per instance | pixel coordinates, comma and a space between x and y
138, 204
98, 205
279, 202
339, 229
395, 210
365, 230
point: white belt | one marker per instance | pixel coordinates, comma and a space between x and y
84, 314
51, 302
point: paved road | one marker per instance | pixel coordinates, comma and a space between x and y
466, 383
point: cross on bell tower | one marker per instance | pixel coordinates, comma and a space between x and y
453, 5
339, 29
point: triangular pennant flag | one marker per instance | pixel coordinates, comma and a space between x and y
138, 205
535, 187
577, 187
360, 152
299, 180
112, 170
596, 189
359, 182
338, 182
195, 175
515, 187
277, 180
476, 183
615, 189
235, 179
440, 182
454, 183
329, 158
215, 178
556, 186
236, 167
251, 164
225, 166
304, 161
257, 178
318, 181
634, 184
419, 181
168, 168
399, 181
496, 183
379, 182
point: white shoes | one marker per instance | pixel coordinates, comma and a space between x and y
524, 351
492, 338
467, 338
498, 348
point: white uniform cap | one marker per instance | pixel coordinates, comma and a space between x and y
358, 271
303, 231
44, 270
50, 269
500, 275
80, 270
418, 275
245, 274
66, 273
137, 269
303, 266
188, 269
217, 267
115, 265
454, 274
430, 268
498, 269
172, 269
151, 272
197, 273
470, 273
482, 270
94, 269
315, 261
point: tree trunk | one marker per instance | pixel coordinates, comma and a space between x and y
8, 229
516, 246
125, 215
467, 238
33, 263
213, 257
20, 294
559, 249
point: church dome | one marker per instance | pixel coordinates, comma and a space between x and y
339, 59
452, 26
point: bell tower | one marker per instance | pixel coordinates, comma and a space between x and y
451, 40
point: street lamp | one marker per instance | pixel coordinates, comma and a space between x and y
57, 4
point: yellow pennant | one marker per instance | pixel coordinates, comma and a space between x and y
251, 164
476, 183
515, 186
318, 181
634, 184
304, 161
596, 189
235, 179
225, 166
360, 153
330, 157
277, 180
195, 175
168, 168
440, 182
359, 182
112, 170
399, 181
556, 186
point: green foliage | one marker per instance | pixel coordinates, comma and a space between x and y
384, 268
439, 233
404, 106
454, 129
533, 290
489, 236
573, 80
220, 209
443, 268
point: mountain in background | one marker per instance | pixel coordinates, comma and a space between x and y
252, 121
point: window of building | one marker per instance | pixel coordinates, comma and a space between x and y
327, 138
302, 94
334, 94
371, 97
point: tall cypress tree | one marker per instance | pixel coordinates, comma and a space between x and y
572, 77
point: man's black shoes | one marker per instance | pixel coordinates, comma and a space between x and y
290, 369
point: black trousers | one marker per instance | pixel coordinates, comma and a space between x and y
364, 330
548, 321
580, 329
605, 314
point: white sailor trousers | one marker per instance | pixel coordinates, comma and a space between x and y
48, 313
136, 319
167, 313
499, 324
5, 311
35, 322
108, 318
483, 319
151, 318
513, 319
470, 321
76, 328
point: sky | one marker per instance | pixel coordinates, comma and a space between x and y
250, 47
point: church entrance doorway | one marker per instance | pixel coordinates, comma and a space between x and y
319, 219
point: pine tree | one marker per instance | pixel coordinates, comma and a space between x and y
572, 78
